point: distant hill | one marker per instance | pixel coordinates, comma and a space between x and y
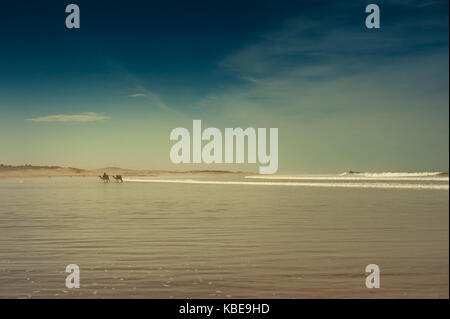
55, 171
30, 170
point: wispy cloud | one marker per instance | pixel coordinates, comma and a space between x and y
82, 117
305, 65
143, 94
304, 72
152, 98
137, 95
304, 44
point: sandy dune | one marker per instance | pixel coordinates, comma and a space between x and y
57, 171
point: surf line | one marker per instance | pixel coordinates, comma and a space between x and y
312, 184
350, 178
212, 151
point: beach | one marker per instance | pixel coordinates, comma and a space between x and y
216, 236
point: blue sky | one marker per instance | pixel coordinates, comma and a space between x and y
343, 97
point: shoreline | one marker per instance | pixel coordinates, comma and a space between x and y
49, 174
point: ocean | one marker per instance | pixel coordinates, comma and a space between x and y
226, 236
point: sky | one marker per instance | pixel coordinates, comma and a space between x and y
342, 96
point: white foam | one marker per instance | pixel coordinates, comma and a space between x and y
393, 174
349, 178
311, 184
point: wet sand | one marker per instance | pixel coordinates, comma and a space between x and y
168, 240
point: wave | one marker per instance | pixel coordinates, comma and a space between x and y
395, 174
304, 184
352, 177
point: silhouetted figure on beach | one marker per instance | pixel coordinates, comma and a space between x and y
118, 178
105, 177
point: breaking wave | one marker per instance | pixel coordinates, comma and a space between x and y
304, 184
355, 177
396, 174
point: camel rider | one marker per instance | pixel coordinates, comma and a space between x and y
104, 175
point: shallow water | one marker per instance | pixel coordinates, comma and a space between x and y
195, 240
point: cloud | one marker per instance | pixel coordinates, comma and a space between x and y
137, 95
82, 117
309, 45
307, 68
342, 96
303, 72
151, 97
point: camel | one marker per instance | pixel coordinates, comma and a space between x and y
118, 178
104, 178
